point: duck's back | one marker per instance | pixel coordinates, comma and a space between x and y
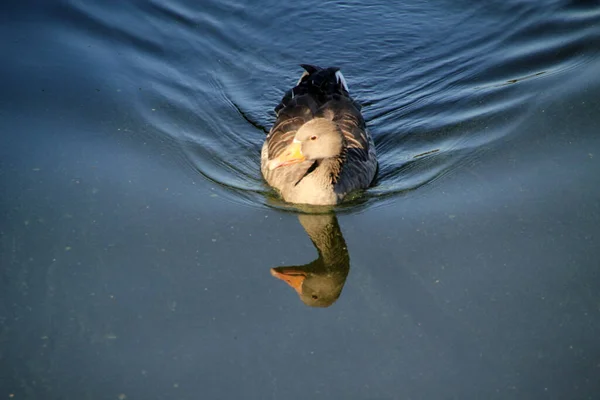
320, 93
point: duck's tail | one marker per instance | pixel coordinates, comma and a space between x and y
329, 80
315, 87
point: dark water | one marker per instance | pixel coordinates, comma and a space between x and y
137, 237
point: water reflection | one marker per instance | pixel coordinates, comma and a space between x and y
320, 282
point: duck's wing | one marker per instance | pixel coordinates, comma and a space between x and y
345, 112
360, 165
293, 112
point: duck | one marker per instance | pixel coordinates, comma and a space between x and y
319, 149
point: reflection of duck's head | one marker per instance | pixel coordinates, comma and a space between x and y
319, 283
315, 290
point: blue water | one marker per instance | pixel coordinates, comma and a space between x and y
137, 236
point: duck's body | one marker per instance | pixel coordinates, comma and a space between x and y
319, 149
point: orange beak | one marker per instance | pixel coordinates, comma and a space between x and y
291, 155
291, 276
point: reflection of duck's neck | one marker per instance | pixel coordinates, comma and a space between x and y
320, 282
324, 231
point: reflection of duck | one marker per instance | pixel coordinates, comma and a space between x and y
319, 283
319, 149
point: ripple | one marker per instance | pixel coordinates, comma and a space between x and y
440, 86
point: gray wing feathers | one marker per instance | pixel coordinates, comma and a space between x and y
361, 165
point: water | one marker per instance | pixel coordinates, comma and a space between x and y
137, 238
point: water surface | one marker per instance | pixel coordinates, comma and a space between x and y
137, 238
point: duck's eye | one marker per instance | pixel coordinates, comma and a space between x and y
313, 138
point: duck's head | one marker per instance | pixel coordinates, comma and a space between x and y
317, 139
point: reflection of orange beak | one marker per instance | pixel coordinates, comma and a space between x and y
293, 277
291, 155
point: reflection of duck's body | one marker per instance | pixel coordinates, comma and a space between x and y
320, 282
319, 149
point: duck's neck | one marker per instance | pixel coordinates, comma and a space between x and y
318, 184
329, 169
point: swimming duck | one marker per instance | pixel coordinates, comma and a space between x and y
319, 149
